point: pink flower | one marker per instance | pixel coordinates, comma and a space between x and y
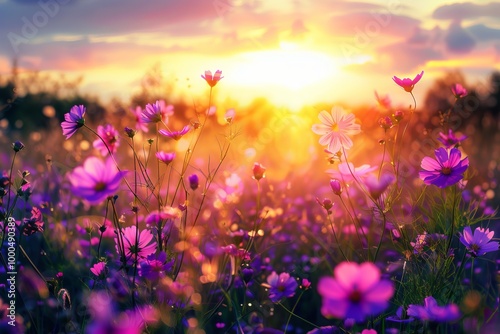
336, 186
377, 186
212, 81
158, 112
444, 171
176, 135
458, 90
73, 121
110, 139
357, 291
384, 102
96, 180
99, 269
408, 83
347, 171
144, 247
165, 157
140, 124
229, 115
336, 128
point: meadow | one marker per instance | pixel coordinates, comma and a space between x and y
158, 217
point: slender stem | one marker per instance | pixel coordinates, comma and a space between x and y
298, 317
293, 309
383, 155
336, 239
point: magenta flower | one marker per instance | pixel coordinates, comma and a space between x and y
408, 83
96, 180
432, 312
99, 269
73, 121
144, 247
336, 186
175, 134
357, 291
450, 139
212, 80
383, 101
165, 157
377, 186
479, 242
140, 124
110, 139
458, 90
158, 112
281, 286
336, 128
444, 171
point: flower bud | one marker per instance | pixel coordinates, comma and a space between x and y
336, 186
194, 182
17, 146
258, 171
130, 132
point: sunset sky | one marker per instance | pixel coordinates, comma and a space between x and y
293, 52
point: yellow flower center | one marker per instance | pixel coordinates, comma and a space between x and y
335, 127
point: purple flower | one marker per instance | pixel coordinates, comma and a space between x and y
175, 134
73, 121
158, 112
450, 139
194, 181
336, 186
281, 286
140, 124
357, 291
96, 180
377, 186
109, 139
444, 171
432, 312
155, 266
479, 242
33, 224
142, 248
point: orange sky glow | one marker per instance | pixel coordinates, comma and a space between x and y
293, 53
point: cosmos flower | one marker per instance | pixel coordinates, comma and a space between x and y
33, 224
73, 121
140, 124
99, 269
175, 134
383, 101
479, 242
357, 291
95, 180
157, 112
450, 139
145, 246
155, 266
212, 80
432, 312
110, 139
408, 83
446, 170
377, 186
336, 128
165, 157
458, 90
347, 171
281, 286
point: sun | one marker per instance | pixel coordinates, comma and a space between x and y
290, 67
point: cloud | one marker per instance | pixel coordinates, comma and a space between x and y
482, 32
458, 39
466, 10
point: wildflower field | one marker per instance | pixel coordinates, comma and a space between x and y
326, 220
